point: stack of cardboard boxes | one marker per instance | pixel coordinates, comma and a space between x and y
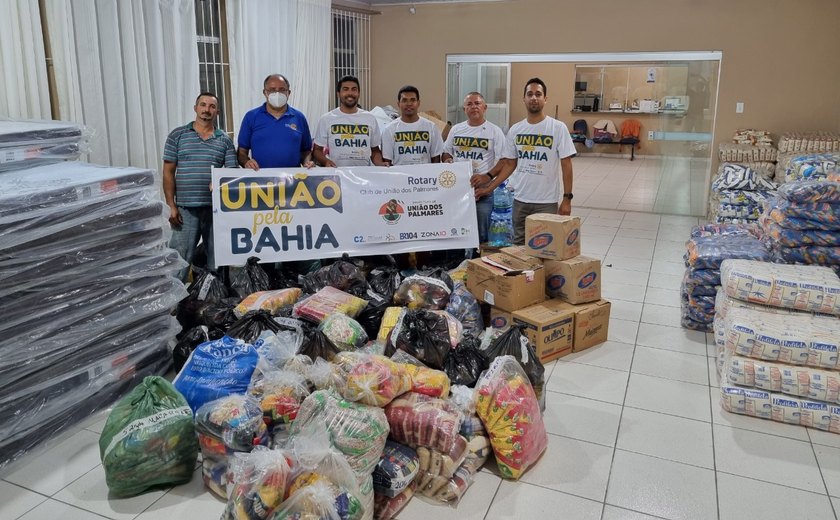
545, 285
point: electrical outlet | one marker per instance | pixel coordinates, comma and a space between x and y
739, 107
650, 135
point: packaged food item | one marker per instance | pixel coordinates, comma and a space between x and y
423, 292
344, 332
396, 470
371, 379
280, 393
257, 483
269, 301
327, 301
419, 420
515, 344
511, 415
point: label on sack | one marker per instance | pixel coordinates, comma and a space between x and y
145, 422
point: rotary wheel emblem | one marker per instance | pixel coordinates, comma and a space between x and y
446, 179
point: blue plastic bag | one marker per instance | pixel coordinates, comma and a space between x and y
216, 369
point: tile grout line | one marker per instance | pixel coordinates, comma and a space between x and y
495, 494
775, 484
822, 476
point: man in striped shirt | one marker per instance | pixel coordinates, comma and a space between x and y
189, 154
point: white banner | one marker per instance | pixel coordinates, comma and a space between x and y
282, 214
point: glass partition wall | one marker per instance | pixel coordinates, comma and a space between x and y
672, 96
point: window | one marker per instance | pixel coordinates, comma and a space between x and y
213, 62
351, 51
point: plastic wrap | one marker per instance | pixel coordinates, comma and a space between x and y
798, 381
385, 280
269, 301
511, 414
370, 379
327, 301
423, 334
806, 288
809, 255
424, 380
465, 363
780, 408
739, 177
216, 369
418, 420
818, 219
249, 327
709, 252
148, 439
277, 348
797, 339
387, 508
317, 501
24, 143
801, 238
327, 376
257, 485
249, 279
477, 452
358, 431
706, 230
344, 332
456, 329
515, 344
423, 292
811, 191
744, 198
396, 469
812, 166
371, 316
341, 275
226, 426
466, 309
437, 468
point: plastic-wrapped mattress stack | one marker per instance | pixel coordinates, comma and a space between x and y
710, 245
24, 144
778, 335
86, 291
739, 193
802, 226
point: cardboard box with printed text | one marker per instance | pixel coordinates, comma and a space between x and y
592, 322
576, 280
555, 237
549, 328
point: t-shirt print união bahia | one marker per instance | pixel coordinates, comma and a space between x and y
411, 143
348, 138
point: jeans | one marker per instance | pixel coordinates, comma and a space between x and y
483, 208
198, 223
522, 210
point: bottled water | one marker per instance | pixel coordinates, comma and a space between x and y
500, 233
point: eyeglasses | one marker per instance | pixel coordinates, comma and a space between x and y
281, 90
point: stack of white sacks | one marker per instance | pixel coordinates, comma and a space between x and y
739, 193
86, 285
778, 334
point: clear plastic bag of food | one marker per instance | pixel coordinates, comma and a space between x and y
226, 426
389, 319
318, 501
371, 379
424, 380
419, 420
396, 470
257, 484
466, 309
327, 376
327, 301
511, 415
356, 430
514, 343
387, 508
423, 292
344, 332
269, 301
280, 393
436, 468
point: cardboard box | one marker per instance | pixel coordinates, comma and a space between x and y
550, 328
500, 319
506, 282
521, 252
555, 237
592, 322
576, 280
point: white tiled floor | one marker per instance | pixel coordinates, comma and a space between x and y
635, 429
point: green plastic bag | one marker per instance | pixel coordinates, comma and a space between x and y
149, 439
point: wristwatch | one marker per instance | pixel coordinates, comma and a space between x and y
569, 196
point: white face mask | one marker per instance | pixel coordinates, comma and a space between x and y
277, 99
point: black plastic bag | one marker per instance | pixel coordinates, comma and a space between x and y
371, 316
190, 340
424, 335
430, 289
206, 287
342, 275
249, 279
218, 314
385, 279
513, 343
465, 363
249, 327
317, 345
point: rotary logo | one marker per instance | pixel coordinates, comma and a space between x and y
391, 211
446, 179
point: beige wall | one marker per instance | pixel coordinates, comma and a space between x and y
779, 58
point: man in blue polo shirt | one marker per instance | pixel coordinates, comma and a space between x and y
274, 135
188, 155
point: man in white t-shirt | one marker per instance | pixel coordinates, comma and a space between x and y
484, 145
411, 139
542, 144
347, 135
